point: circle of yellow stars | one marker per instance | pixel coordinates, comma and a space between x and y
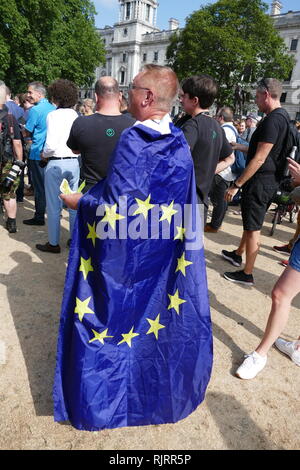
111, 216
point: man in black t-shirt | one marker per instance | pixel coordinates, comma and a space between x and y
260, 178
95, 136
209, 147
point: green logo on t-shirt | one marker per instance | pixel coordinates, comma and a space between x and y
110, 132
214, 135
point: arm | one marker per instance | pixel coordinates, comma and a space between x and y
18, 149
263, 150
294, 168
243, 148
223, 164
71, 200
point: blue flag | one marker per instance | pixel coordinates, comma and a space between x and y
135, 340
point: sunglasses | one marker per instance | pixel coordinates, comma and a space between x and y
264, 84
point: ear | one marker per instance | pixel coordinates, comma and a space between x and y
149, 99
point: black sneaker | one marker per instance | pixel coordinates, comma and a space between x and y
240, 277
231, 256
34, 221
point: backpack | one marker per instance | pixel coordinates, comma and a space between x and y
6, 136
292, 140
240, 158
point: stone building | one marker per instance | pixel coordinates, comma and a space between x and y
288, 26
135, 40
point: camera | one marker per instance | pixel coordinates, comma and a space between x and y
13, 174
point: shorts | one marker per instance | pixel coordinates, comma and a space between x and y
257, 195
11, 194
294, 260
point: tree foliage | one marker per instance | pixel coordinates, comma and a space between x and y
234, 41
48, 39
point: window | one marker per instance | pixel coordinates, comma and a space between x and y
155, 56
125, 32
124, 57
144, 57
147, 12
294, 45
122, 77
127, 11
283, 98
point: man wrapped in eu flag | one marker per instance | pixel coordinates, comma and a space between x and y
135, 340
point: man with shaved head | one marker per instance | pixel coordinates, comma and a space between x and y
95, 136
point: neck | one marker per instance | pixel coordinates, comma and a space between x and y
198, 110
109, 109
272, 106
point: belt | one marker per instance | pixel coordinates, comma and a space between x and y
61, 158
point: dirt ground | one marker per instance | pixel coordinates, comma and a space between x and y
263, 413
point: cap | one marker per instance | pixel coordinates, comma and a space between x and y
252, 116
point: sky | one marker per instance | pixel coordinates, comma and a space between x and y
108, 10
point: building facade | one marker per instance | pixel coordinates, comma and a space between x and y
288, 26
135, 40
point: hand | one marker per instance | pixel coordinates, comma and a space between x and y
71, 200
294, 169
230, 193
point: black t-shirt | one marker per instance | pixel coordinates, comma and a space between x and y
95, 137
272, 129
208, 144
10, 121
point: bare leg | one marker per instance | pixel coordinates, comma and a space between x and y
252, 247
11, 208
285, 289
242, 246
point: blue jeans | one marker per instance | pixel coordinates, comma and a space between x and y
55, 172
294, 260
37, 175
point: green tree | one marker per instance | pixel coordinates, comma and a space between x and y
232, 40
48, 39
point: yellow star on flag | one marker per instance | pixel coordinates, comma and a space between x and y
180, 233
92, 232
111, 216
82, 307
144, 206
85, 266
182, 264
168, 212
175, 301
100, 336
127, 337
155, 326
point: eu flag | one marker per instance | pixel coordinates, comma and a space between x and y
135, 341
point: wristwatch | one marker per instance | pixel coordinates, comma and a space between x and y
236, 185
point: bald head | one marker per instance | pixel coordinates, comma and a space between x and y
163, 82
107, 87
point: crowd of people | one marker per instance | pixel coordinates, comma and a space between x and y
233, 160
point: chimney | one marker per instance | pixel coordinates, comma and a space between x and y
276, 7
173, 24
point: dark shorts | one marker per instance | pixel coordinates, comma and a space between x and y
11, 194
294, 260
257, 195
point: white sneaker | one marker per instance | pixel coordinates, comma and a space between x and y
251, 366
289, 348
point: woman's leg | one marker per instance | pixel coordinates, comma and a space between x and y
285, 289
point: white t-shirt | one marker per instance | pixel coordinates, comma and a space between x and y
227, 174
59, 123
